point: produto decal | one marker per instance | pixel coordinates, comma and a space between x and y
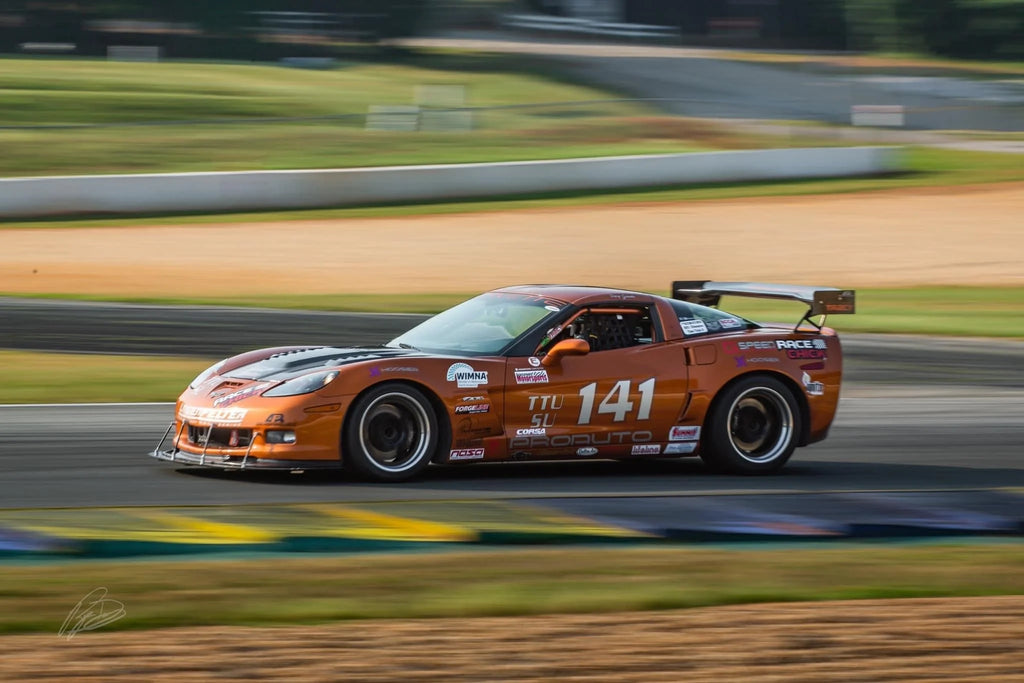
465, 377
679, 433
581, 440
531, 376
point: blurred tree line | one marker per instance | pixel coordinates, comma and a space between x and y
267, 29
238, 29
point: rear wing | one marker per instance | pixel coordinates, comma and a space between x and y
821, 301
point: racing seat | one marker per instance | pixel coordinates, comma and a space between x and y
605, 331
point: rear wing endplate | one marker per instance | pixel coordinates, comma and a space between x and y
821, 301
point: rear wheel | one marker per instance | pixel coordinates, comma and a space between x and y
391, 433
753, 427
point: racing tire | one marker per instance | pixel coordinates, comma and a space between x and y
753, 427
391, 434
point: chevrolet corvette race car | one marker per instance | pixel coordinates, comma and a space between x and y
531, 373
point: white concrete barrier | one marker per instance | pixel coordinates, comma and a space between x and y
254, 190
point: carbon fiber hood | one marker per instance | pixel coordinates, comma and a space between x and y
291, 364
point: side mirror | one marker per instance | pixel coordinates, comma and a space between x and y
566, 347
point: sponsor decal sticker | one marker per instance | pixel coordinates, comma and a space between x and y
681, 448
646, 449
534, 361
732, 347
800, 344
401, 368
730, 323
213, 415
693, 326
466, 454
473, 408
586, 451
465, 377
581, 440
813, 388
763, 359
531, 431
531, 376
274, 418
678, 433
240, 395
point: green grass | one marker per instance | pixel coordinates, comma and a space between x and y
30, 377
70, 92
459, 584
949, 311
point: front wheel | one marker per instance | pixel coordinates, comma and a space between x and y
753, 427
391, 433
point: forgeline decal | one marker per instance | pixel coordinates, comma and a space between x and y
465, 377
466, 454
570, 440
646, 449
813, 388
679, 433
240, 395
681, 448
527, 376
472, 408
213, 415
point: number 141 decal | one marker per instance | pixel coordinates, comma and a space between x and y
617, 401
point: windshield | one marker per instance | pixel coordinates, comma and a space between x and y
484, 325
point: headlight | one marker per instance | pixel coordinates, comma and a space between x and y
205, 375
306, 384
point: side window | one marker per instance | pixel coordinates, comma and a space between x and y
607, 328
697, 320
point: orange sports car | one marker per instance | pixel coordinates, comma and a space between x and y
533, 372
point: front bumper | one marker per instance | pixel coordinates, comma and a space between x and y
240, 462
230, 461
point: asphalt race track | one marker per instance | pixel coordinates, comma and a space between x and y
917, 415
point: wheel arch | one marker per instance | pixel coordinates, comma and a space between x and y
444, 423
801, 400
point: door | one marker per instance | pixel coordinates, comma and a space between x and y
620, 399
